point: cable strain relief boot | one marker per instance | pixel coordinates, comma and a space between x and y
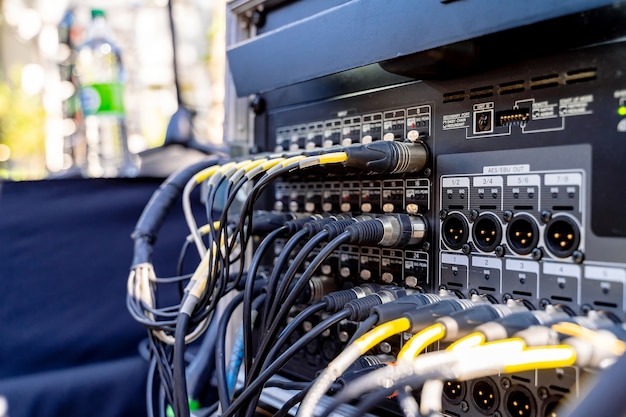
338, 227
360, 309
369, 231
337, 300
295, 225
317, 226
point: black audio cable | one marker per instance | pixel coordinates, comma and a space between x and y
354, 310
220, 348
389, 231
391, 311
329, 231
308, 230
261, 225
156, 211
459, 322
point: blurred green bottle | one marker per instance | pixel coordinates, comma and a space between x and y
100, 74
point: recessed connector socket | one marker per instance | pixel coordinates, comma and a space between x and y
485, 396
487, 232
519, 402
522, 234
454, 231
562, 236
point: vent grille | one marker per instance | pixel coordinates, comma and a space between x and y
519, 86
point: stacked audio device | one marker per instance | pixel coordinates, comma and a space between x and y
431, 222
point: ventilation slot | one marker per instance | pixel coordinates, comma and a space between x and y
481, 92
511, 87
454, 96
581, 76
560, 389
545, 81
605, 304
521, 379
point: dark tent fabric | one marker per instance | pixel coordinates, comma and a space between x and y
68, 346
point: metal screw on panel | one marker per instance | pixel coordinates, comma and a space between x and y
497, 414
543, 393
307, 326
466, 249
507, 215
427, 172
536, 254
546, 216
578, 257
506, 383
426, 246
585, 309
344, 336
473, 214
464, 406
500, 251
543, 303
385, 347
443, 214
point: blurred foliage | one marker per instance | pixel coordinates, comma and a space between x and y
22, 129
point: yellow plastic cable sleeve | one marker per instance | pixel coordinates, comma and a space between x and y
415, 345
291, 160
545, 357
350, 354
595, 338
254, 164
470, 341
333, 158
317, 160
206, 173
243, 164
271, 163
380, 333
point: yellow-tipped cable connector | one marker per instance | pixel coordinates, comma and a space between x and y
470, 341
598, 339
415, 345
205, 173
350, 354
544, 357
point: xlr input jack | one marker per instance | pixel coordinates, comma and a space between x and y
487, 232
485, 396
455, 231
522, 234
562, 236
454, 391
519, 402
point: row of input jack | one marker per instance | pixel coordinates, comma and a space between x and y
522, 233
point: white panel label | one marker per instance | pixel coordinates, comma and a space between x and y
485, 262
563, 270
605, 274
488, 181
522, 180
455, 182
506, 169
454, 259
522, 266
564, 178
